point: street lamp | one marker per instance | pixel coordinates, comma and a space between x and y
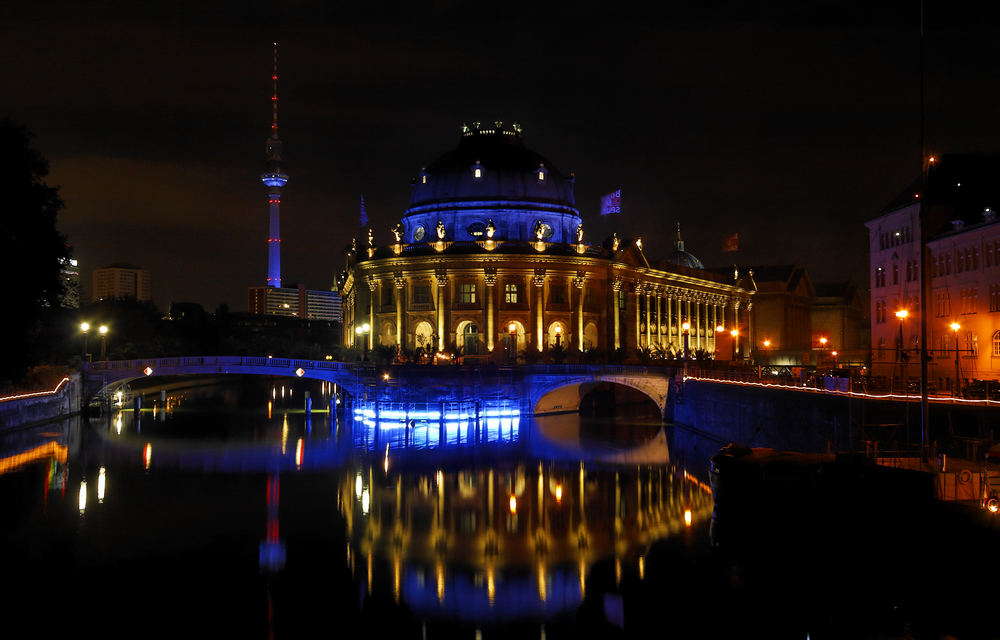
558, 330
686, 329
767, 352
511, 341
902, 315
955, 327
103, 330
84, 328
362, 332
735, 333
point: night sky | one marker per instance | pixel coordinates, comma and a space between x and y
789, 125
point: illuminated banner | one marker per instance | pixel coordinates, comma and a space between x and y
611, 203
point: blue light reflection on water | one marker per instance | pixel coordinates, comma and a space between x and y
431, 425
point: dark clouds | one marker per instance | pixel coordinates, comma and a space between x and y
788, 123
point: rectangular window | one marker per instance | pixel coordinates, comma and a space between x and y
557, 294
422, 294
512, 293
467, 293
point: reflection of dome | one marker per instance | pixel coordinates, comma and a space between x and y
681, 257
492, 175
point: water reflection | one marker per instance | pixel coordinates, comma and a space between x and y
509, 540
477, 514
432, 425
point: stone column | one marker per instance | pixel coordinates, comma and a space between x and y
539, 282
578, 282
372, 288
638, 306
649, 316
659, 319
490, 278
680, 320
698, 332
616, 287
399, 281
670, 317
442, 290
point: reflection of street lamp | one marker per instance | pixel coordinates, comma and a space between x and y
735, 333
955, 327
362, 332
84, 328
103, 330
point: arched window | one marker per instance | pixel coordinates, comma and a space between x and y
470, 340
996, 343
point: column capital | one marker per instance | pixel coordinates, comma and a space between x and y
490, 276
441, 276
372, 283
539, 278
400, 281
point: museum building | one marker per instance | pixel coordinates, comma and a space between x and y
491, 258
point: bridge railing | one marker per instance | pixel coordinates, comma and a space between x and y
229, 361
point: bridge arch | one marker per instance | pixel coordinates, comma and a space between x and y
562, 394
103, 376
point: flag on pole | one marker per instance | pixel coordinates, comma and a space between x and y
731, 243
611, 203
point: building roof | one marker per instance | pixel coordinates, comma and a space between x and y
508, 171
965, 183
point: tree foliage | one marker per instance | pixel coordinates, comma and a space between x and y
31, 248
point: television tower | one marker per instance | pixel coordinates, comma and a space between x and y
274, 177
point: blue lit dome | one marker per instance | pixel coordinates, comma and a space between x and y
491, 175
681, 257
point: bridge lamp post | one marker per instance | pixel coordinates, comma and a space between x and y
955, 327
822, 346
835, 363
767, 353
735, 333
84, 329
103, 330
718, 329
686, 331
362, 333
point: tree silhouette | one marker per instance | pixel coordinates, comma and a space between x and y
30, 246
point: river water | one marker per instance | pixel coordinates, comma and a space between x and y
228, 510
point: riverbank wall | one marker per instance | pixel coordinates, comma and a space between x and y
25, 410
807, 421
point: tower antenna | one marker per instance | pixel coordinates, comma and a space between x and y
274, 95
274, 178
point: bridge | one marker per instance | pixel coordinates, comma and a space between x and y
541, 388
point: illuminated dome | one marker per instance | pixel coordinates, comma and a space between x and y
681, 257
491, 175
